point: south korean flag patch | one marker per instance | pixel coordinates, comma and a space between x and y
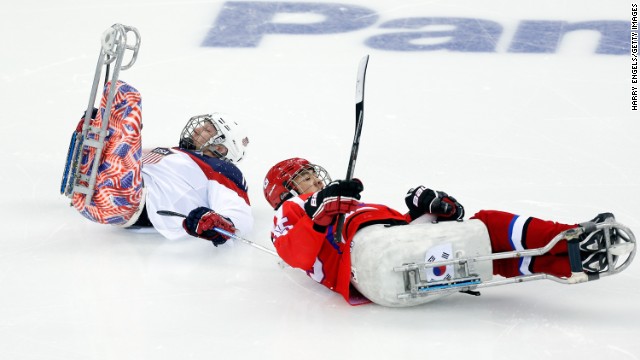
439, 253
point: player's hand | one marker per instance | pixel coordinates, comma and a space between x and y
421, 201
201, 221
455, 209
339, 197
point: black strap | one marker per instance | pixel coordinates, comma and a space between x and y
471, 292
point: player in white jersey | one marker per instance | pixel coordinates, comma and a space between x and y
198, 178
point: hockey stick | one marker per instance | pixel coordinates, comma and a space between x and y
223, 232
362, 70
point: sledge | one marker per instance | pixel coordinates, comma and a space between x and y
409, 265
115, 42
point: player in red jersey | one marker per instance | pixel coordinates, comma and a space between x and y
307, 205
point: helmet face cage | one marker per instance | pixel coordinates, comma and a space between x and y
296, 187
197, 135
280, 182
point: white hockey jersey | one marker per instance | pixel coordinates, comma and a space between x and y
180, 180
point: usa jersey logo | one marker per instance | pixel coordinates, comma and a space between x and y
155, 155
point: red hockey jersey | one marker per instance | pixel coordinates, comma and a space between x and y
300, 246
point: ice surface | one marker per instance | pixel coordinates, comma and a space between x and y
550, 135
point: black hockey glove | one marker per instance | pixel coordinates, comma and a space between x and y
339, 197
201, 221
456, 212
421, 201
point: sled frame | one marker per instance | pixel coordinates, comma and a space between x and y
417, 286
114, 44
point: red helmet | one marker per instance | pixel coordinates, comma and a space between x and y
278, 185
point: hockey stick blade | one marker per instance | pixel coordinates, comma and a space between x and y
362, 71
170, 213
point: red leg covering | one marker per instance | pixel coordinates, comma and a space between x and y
509, 232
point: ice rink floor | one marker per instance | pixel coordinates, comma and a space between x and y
500, 103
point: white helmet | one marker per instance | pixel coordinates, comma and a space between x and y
196, 136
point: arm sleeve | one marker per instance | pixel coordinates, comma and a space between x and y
227, 203
293, 236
